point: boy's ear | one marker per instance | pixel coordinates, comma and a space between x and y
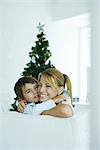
60, 90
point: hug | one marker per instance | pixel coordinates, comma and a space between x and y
50, 95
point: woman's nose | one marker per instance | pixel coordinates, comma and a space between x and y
42, 89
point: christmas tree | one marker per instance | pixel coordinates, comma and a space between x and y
39, 55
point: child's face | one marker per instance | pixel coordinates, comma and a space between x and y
30, 92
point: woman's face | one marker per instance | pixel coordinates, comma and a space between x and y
46, 91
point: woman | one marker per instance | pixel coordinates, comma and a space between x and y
52, 85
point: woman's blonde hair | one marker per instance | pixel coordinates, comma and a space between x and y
57, 79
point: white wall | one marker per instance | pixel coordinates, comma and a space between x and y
65, 43
17, 34
95, 76
68, 8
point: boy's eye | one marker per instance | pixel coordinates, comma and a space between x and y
27, 91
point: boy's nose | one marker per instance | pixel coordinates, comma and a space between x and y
34, 92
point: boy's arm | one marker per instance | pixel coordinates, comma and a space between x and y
59, 98
64, 98
44, 106
39, 108
21, 105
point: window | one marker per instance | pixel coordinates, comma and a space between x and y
70, 45
85, 63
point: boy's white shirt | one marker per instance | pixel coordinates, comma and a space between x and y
37, 109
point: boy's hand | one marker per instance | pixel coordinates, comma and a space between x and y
59, 98
21, 105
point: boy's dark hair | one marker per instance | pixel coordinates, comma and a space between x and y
21, 82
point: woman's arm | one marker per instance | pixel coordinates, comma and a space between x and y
61, 110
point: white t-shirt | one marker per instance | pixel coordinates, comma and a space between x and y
37, 109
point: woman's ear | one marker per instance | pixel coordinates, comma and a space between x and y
60, 90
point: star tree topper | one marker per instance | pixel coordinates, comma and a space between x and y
40, 27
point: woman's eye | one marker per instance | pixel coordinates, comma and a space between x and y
48, 86
36, 87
